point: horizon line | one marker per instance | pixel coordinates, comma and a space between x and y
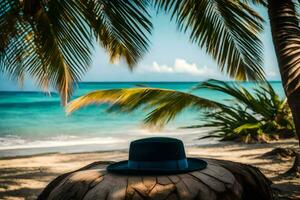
170, 81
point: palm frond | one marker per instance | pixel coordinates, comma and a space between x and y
256, 2
52, 45
121, 27
10, 31
52, 41
247, 126
263, 100
255, 115
165, 104
67, 53
228, 30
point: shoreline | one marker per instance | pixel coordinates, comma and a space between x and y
23, 177
113, 142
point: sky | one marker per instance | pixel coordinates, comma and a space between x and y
171, 57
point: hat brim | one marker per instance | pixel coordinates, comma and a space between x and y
121, 167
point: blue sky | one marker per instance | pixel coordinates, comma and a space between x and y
171, 57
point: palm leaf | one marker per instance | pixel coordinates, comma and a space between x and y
52, 41
262, 101
228, 30
248, 117
165, 104
121, 27
247, 126
256, 2
52, 45
254, 113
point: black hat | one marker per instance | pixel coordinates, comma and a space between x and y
157, 155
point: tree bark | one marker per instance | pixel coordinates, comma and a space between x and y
221, 180
286, 38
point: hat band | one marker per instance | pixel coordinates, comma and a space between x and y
166, 164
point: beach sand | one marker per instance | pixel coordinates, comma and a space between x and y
24, 177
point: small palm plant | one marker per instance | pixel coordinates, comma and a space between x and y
249, 116
253, 116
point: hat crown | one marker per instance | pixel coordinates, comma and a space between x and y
156, 149
157, 155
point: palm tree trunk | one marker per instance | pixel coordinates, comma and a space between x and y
286, 38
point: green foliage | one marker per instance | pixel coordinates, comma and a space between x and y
257, 115
52, 40
227, 29
165, 104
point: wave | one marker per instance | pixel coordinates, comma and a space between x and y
11, 142
19, 142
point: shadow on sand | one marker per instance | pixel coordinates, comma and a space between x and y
23, 182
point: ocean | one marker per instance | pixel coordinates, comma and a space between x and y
35, 122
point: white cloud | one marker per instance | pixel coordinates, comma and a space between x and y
272, 73
180, 66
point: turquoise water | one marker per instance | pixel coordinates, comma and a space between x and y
36, 120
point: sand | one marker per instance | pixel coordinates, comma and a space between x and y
24, 177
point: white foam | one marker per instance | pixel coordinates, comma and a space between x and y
15, 142
114, 141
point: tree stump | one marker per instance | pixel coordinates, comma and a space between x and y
220, 180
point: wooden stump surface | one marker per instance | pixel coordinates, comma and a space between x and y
220, 180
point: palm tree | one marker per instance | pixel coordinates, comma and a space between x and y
251, 115
286, 38
53, 40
